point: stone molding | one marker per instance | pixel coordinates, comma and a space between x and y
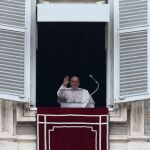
25, 114
119, 113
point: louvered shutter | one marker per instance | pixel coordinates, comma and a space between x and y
15, 45
131, 50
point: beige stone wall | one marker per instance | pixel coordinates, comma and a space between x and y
17, 127
128, 126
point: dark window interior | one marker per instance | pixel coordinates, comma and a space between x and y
70, 48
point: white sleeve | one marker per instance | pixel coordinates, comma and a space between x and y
91, 103
61, 91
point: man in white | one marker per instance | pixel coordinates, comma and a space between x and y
74, 97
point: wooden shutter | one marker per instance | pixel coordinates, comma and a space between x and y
131, 50
15, 44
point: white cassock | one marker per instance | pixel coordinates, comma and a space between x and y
79, 98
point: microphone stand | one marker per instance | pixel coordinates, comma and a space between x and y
96, 83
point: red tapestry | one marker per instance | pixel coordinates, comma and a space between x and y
72, 129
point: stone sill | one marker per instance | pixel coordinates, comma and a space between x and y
126, 138
117, 138
26, 138
139, 138
24, 114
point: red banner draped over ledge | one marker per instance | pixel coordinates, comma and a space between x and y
72, 128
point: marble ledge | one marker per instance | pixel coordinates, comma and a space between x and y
31, 138
127, 138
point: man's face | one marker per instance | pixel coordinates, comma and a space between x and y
74, 83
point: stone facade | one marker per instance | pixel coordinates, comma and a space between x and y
129, 122
17, 127
127, 132
128, 127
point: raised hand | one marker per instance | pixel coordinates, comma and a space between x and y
66, 81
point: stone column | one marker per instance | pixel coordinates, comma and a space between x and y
7, 118
7, 126
137, 119
137, 140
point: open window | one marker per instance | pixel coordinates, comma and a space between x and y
17, 45
127, 45
131, 50
68, 49
71, 43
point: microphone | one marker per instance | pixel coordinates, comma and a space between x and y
91, 76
